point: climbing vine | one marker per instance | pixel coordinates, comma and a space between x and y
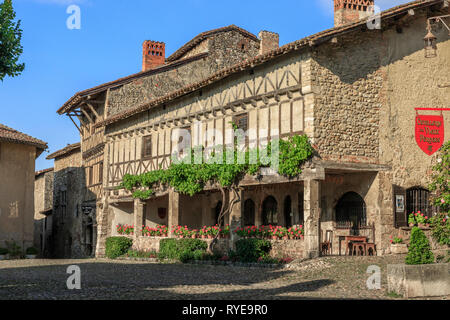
190, 177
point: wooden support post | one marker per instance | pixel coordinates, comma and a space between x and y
312, 215
174, 211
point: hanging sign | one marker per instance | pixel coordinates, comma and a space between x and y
430, 133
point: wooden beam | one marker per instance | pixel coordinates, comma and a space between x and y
87, 115
93, 110
75, 123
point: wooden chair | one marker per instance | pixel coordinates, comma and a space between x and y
326, 246
358, 248
371, 247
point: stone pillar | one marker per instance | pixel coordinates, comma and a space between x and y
235, 219
312, 215
280, 211
139, 214
174, 211
258, 210
102, 219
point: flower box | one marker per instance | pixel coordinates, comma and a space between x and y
399, 248
30, 256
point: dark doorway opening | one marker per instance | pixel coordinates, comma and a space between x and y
351, 212
270, 214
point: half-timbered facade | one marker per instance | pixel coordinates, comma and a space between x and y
352, 90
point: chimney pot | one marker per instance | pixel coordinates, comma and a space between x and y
153, 54
269, 41
349, 11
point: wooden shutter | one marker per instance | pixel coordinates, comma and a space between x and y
400, 216
147, 147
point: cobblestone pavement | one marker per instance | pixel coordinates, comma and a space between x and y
324, 278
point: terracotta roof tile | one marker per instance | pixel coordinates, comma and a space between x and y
64, 151
8, 134
296, 45
38, 173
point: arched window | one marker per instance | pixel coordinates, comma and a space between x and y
217, 213
270, 214
351, 211
249, 213
418, 199
288, 212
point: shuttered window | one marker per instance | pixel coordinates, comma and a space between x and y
147, 147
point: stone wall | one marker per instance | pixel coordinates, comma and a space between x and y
224, 49
43, 200
346, 83
280, 248
17, 172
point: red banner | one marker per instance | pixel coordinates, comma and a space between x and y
430, 133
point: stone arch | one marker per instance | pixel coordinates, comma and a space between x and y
351, 211
269, 211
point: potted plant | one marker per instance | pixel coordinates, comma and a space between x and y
31, 253
397, 246
3, 253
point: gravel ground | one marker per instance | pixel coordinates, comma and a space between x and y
323, 278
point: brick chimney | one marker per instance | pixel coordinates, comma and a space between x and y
269, 41
153, 54
348, 11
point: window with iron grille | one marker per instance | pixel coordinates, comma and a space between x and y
147, 147
418, 199
351, 211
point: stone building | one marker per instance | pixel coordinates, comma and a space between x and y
18, 153
73, 226
43, 208
353, 90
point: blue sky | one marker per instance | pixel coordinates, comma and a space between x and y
60, 62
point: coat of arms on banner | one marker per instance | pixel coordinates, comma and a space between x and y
429, 133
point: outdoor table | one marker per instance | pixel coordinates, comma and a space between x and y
355, 239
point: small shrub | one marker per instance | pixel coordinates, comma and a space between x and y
3, 251
419, 248
32, 251
14, 249
117, 246
182, 249
440, 228
250, 250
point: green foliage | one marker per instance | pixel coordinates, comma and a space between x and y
117, 246
190, 178
141, 254
440, 180
440, 228
250, 250
14, 249
4, 251
32, 251
10, 47
419, 248
183, 250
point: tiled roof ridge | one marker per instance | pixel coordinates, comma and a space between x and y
67, 149
16, 136
250, 63
38, 173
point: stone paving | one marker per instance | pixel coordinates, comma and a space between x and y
323, 278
